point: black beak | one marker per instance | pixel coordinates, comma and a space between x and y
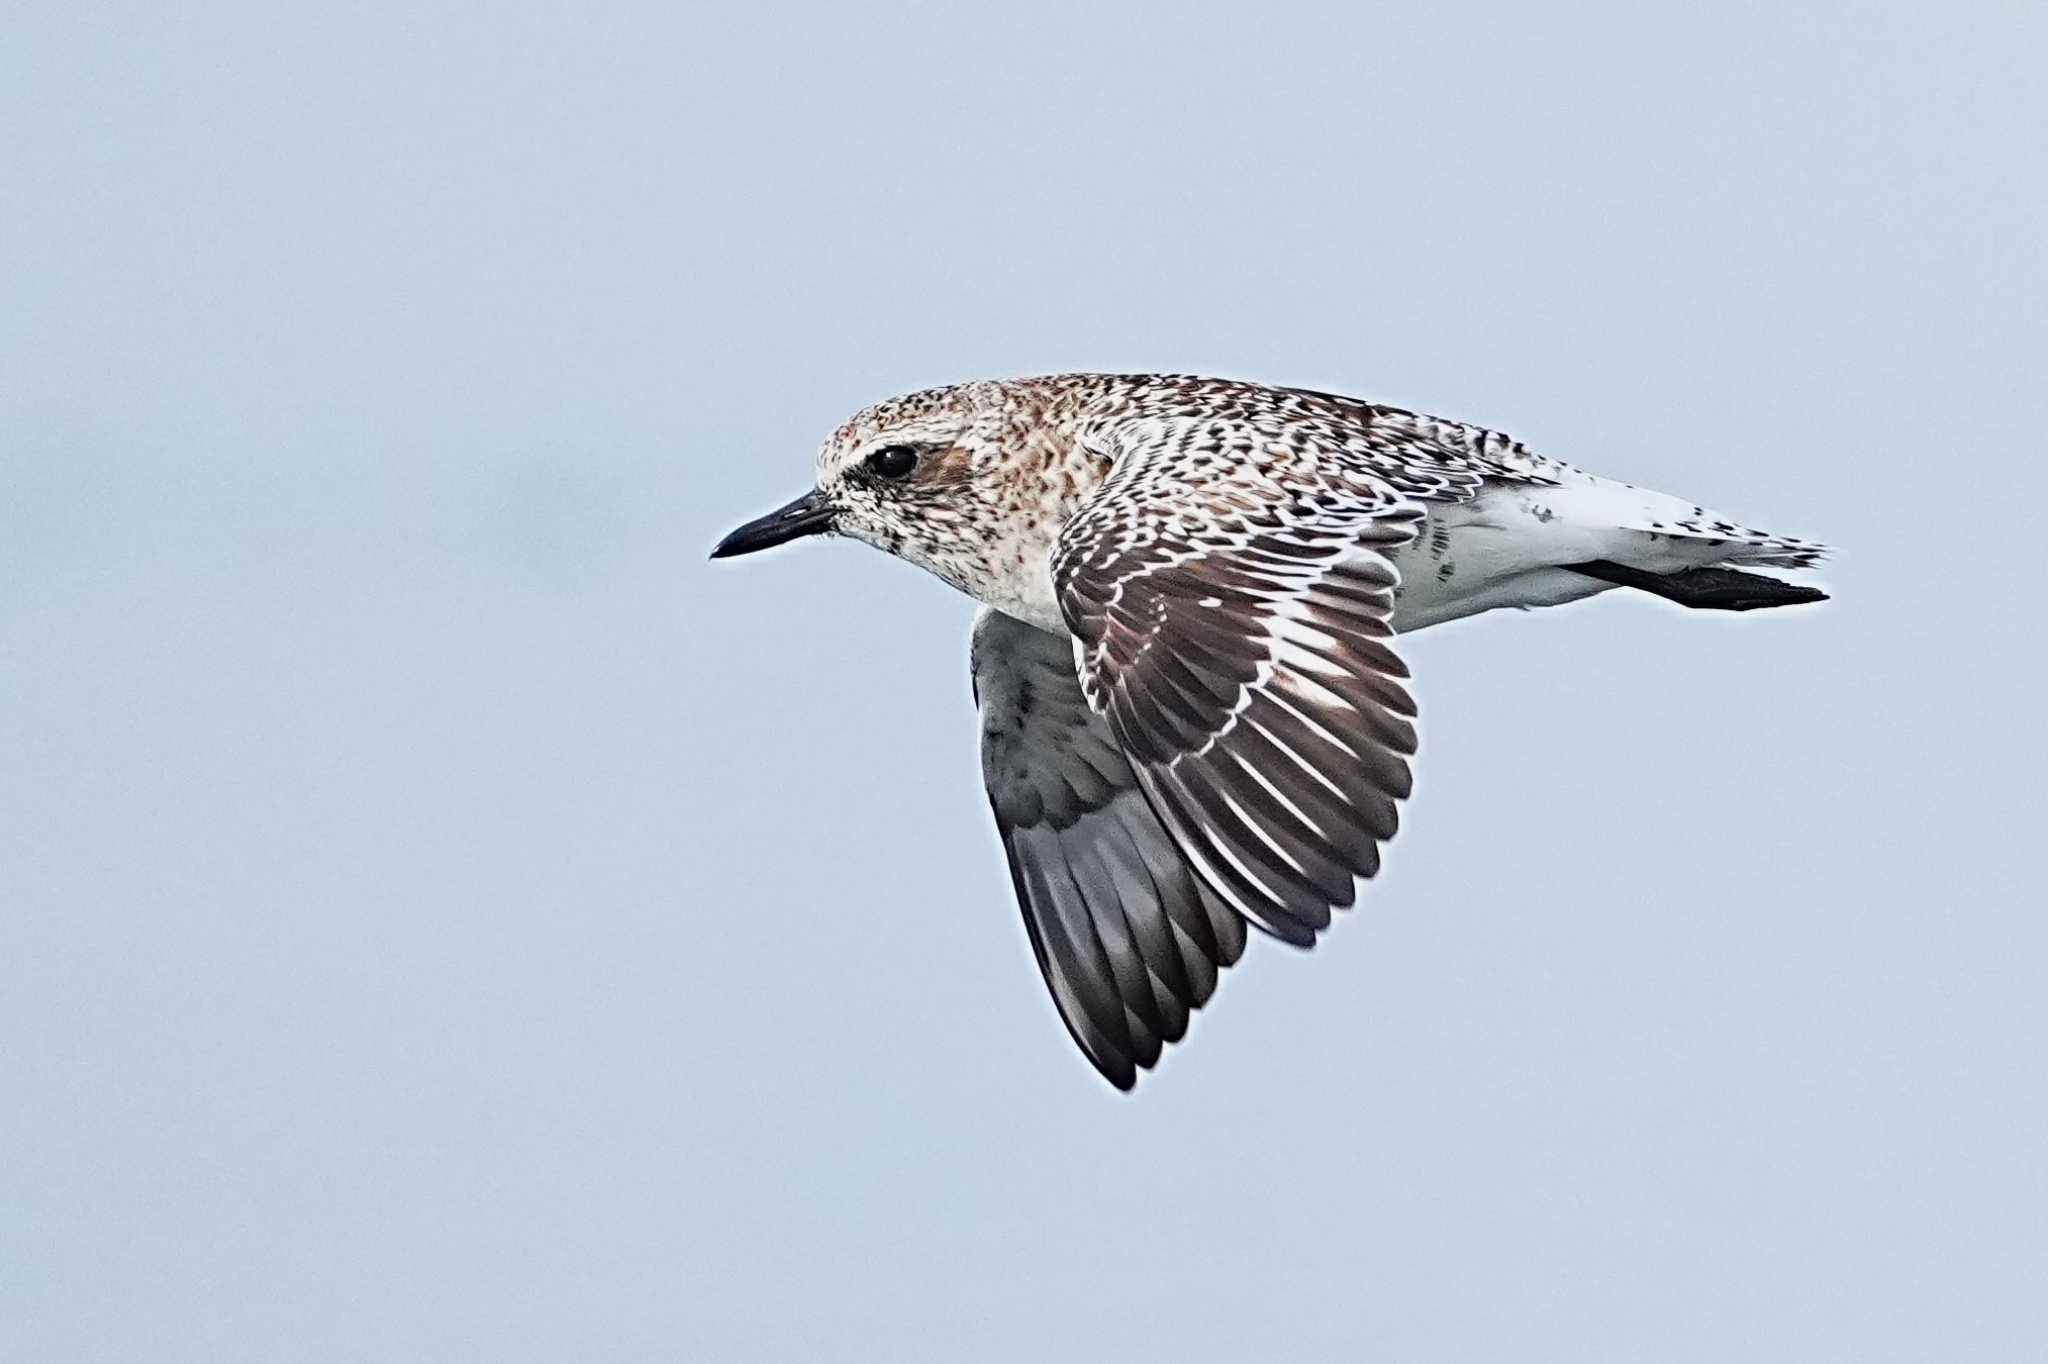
808, 515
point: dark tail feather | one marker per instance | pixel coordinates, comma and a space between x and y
1706, 589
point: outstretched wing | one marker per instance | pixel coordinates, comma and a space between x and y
1232, 617
1127, 937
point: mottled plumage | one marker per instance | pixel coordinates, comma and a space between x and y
1192, 712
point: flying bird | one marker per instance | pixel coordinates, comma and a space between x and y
1193, 715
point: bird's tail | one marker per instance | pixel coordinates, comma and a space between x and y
1705, 589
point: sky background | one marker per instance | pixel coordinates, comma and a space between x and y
442, 917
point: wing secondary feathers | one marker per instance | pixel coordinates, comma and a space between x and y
1233, 626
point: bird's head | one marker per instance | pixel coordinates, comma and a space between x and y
922, 477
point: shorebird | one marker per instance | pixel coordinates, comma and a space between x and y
1192, 716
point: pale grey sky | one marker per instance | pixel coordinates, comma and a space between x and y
442, 917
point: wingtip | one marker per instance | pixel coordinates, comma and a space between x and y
1121, 1073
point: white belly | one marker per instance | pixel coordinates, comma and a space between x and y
1507, 547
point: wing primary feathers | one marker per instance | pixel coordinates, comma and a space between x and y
1126, 934
1225, 739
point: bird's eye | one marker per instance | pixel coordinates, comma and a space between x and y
892, 461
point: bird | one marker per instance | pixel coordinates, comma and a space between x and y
1194, 716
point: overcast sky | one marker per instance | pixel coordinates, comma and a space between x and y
443, 917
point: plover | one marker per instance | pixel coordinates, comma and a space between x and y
1192, 714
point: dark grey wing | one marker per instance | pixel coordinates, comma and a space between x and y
1129, 940
1233, 623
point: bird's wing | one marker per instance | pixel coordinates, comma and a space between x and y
1230, 590
1127, 937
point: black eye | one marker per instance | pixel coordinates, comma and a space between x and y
892, 461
